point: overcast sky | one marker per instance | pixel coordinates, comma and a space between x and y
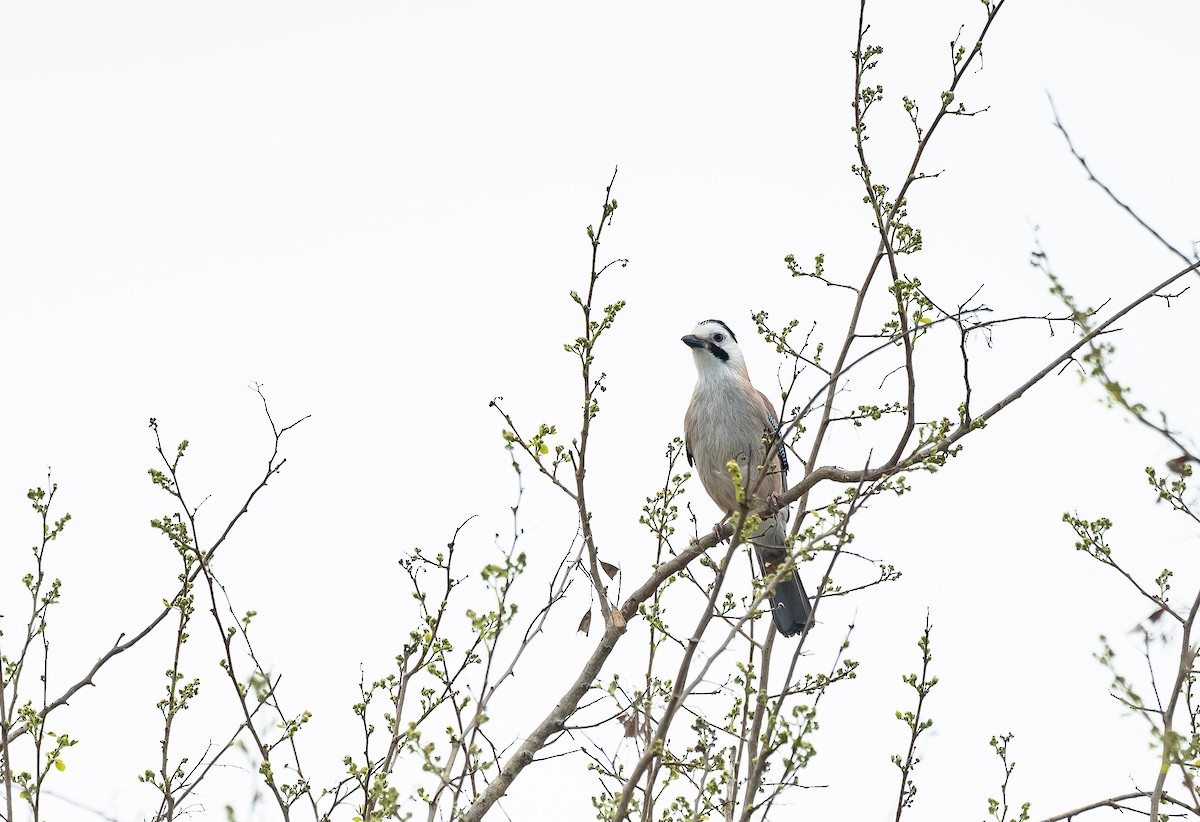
377, 210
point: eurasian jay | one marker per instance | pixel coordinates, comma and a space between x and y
729, 419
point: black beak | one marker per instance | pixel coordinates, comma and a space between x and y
692, 341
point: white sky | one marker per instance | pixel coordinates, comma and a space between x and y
377, 210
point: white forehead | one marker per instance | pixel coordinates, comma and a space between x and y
707, 328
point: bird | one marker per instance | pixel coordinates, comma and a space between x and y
729, 419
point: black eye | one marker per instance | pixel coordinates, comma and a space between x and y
718, 338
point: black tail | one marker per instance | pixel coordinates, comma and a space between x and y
789, 603
790, 606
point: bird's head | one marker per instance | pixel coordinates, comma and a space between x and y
715, 349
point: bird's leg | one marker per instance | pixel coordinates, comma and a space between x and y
720, 524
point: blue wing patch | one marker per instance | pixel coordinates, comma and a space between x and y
774, 423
